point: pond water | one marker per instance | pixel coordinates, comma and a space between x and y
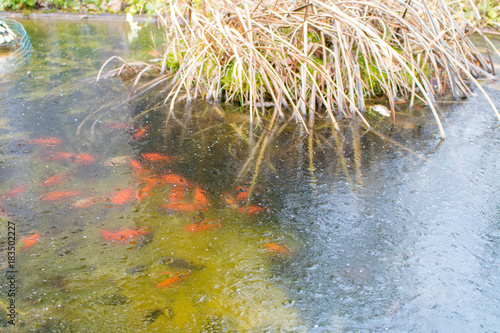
129, 218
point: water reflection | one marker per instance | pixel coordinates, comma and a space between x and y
141, 224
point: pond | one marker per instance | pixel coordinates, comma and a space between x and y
132, 218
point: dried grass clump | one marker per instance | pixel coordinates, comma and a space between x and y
320, 57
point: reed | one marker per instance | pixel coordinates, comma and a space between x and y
320, 57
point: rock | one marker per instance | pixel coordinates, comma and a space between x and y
114, 6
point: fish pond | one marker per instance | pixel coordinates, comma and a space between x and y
131, 217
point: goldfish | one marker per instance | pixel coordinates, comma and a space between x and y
203, 226
60, 156
85, 158
141, 132
200, 197
169, 283
230, 200
176, 194
121, 197
87, 202
143, 192
29, 241
155, 157
49, 141
56, 179
251, 210
14, 193
123, 235
180, 207
276, 248
173, 179
57, 195
242, 193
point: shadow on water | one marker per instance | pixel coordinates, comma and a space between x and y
139, 224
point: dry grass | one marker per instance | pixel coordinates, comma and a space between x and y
320, 57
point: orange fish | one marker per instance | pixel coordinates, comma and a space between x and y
87, 202
56, 179
155, 157
176, 194
173, 179
85, 158
230, 201
169, 283
123, 235
200, 197
276, 248
143, 192
251, 210
49, 141
180, 207
203, 226
57, 195
60, 156
242, 193
141, 132
121, 197
13, 193
29, 241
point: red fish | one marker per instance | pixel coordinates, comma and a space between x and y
56, 179
276, 248
180, 207
200, 197
176, 194
169, 283
242, 193
57, 195
29, 241
173, 179
203, 226
49, 141
251, 210
141, 132
155, 157
87, 202
85, 158
123, 235
143, 192
13, 193
121, 197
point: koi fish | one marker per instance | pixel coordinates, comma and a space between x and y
29, 241
56, 179
200, 197
203, 226
169, 283
180, 207
242, 193
57, 195
14, 193
141, 132
143, 192
48, 141
155, 157
173, 179
121, 197
123, 235
85, 158
176, 194
251, 210
87, 202
276, 248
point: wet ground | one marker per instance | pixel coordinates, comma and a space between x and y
133, 223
